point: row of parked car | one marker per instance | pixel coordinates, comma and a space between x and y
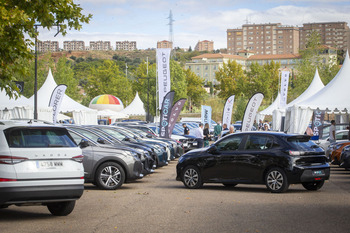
48, 164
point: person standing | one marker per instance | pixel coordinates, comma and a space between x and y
206, 135
217, 131
260, 125
198, 133
186, 129
224, 127
332, 132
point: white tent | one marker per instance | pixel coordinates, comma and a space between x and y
334, 97
135, 108
81, 114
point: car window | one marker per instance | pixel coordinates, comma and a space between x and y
259, 142
76, 137
88, 134
230, 143
342, 135
302, 143
34, 137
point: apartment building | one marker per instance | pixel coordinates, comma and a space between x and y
125, 45
333, 34
164, 44
73, 45
271, 38
100, 45
204, 45
48, 46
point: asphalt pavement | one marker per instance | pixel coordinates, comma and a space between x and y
159, 203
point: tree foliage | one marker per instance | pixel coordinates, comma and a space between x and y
17, 19
195, 89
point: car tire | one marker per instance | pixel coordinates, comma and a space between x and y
192, 178
61, 208
313, 186
229, 184
109, 176
276, 180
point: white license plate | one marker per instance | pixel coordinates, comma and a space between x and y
185, 144
49, 164
195, 144
318, 172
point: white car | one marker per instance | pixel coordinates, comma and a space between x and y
39, 164
340, 136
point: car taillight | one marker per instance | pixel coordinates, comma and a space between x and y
4, 159
6, 180
296, 153
78, 158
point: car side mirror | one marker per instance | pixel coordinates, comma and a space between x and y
83, 143
101, 141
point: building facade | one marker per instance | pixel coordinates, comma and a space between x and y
125, 45
204, 45
100, 45
333, 34
272, 38
164, 44
48, 46
73, 45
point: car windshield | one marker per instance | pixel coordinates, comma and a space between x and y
302, 142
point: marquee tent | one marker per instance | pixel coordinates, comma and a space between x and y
81, 114
334, 97
135, 108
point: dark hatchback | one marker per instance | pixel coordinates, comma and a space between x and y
270, 158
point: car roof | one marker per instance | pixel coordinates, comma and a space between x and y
4, 124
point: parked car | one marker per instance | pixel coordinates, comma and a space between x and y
39, 164
340, 136
345, 158
105, 165
270, 158
336, 150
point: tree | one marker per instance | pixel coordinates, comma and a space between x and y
108, 79
178, 80
17, 19
195, 90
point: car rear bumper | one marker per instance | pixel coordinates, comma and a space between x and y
40, 194
309, 174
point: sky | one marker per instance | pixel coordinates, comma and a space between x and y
146, 21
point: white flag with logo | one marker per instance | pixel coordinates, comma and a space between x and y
250, 111
206, 115
163, 71
284, 88
227, 113
56, 100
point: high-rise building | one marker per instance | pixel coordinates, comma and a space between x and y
164, 44
73, 45
46, 46
333, 34
125, 45
271, 38
204, 45
100, 45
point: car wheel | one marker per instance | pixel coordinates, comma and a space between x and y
191, 177
313, 186
229, 184
110, 176
276, 180
61, 208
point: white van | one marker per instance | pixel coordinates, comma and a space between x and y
39, 164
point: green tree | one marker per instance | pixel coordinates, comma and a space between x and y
195, 89
178, 80
108, 79
17, 19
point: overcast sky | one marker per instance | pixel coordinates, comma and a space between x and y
146, 21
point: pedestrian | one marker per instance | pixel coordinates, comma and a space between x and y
255, 125
198, 133
186, 129
309, 131
206, 135
260, 125
332, 138
217, 131
224, 126
232, 129
266, 126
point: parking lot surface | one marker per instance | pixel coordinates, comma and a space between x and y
159, 203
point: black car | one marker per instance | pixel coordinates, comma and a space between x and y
273, 159
345, 158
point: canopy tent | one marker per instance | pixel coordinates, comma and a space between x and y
135, 108
81, 114
334, 97
113, 115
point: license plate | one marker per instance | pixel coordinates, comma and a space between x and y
185, 144
195, 144
318, 173
49, 164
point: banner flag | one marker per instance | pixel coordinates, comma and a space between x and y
56, 100
317, 123
206, 115
175, 112
284, 88
250, 111
165, 114
227, 112
163, 71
